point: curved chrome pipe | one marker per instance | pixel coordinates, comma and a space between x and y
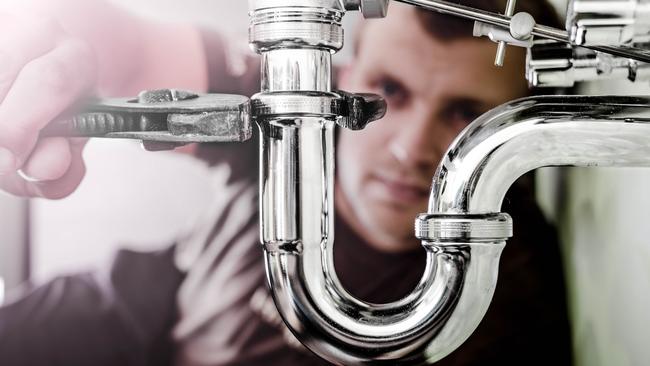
531, 133
460, 276
297, 208
463, 234
434, 319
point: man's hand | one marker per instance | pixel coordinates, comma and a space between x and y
43, 71
52, 52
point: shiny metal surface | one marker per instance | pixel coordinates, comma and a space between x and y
371, 9
313, 24
441, 227
530, 133
297, 212
556, 64
297, 232
502, 45
463, 233
609, 22
462, 252
165, 115
640, 53
294, 69
351, 111
483, 16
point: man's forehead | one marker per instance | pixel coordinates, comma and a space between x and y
400, 45
403, 29
401, 35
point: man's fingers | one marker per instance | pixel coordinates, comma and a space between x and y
69, 182
50, 160
63, 186
43, 89
21, 43
7, 161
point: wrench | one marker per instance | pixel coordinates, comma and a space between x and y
161, 116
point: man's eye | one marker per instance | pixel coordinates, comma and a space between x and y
393, 91
459, 117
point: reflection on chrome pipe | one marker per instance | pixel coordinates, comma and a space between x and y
463, 237
295, 70
297, 208
536, 132
296, 118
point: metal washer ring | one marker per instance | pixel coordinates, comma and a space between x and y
306, 103
450, 227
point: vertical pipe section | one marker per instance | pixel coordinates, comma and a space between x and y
296, 171
296, 69
296, 151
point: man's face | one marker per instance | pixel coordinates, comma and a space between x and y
433, 90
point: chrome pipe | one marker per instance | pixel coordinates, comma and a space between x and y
487, 17
297, 212
307, 70
463, 233
505, 143
503, 21
461, 271
297, 230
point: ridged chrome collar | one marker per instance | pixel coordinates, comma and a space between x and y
454, 228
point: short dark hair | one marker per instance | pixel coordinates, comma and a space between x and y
448, 28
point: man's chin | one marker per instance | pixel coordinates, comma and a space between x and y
392, 224
395, 195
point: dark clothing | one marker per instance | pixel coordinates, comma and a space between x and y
205, 301
119, 318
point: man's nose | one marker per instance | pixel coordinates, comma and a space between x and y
419, 144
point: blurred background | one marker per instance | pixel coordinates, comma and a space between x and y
125, 203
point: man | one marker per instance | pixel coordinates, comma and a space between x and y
436, 79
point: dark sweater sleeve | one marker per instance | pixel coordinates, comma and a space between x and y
122, 318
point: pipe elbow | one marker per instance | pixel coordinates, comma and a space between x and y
463, 233
530, 133
439, 315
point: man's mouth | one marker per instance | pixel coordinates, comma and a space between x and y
403, 189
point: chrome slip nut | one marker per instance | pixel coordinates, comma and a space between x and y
452, 228
282, 24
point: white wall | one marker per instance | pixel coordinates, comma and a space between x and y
606, 243
606, 233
